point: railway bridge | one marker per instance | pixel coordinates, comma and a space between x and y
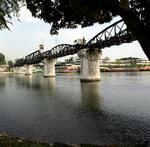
89, 52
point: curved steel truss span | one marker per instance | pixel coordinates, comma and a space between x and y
19, 62
61, 50
115, 34
33, 58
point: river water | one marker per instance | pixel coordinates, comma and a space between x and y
115, 110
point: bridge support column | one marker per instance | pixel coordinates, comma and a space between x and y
90, 70
49, 67
17, 70
29, 69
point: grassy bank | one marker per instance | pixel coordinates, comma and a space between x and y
7, 141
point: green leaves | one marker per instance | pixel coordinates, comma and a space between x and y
70, 13
3, 23
2, 59
7, 9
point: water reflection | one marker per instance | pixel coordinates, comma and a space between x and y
107, 112
37, 81
131, 73
20, 78
50, 84
2, 81
28, 80
91, 98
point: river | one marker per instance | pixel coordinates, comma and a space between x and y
115, 110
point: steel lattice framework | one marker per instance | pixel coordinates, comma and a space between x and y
62, 50
19, 62
33, 58
115, 34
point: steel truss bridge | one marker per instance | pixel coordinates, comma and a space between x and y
115, 34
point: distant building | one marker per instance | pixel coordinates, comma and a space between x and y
66, 68
124, 62
80, 41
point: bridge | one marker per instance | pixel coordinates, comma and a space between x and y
89, 52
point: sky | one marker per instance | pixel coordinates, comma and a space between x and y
28, 33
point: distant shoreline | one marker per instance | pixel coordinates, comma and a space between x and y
101, 70
6, 72
125, 69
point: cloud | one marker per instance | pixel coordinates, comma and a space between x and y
42, 35
26, 16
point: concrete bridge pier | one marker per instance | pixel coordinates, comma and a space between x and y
17, 70
29, 69
49, 67
90, 70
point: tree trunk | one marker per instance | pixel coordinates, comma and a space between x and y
137, 28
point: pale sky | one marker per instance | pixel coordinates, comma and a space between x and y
26, 35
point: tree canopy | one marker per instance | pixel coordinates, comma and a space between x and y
10, 65
7, 8
2, 59
70, 13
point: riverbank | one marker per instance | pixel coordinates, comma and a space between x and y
8, 141
118, 69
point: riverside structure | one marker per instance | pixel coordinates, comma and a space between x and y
89, 53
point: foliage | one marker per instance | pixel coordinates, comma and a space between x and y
70, 13
2, 59
7, 8
10, 65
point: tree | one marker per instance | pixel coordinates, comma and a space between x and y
8, 7
10, 65
2, 59
71, 13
